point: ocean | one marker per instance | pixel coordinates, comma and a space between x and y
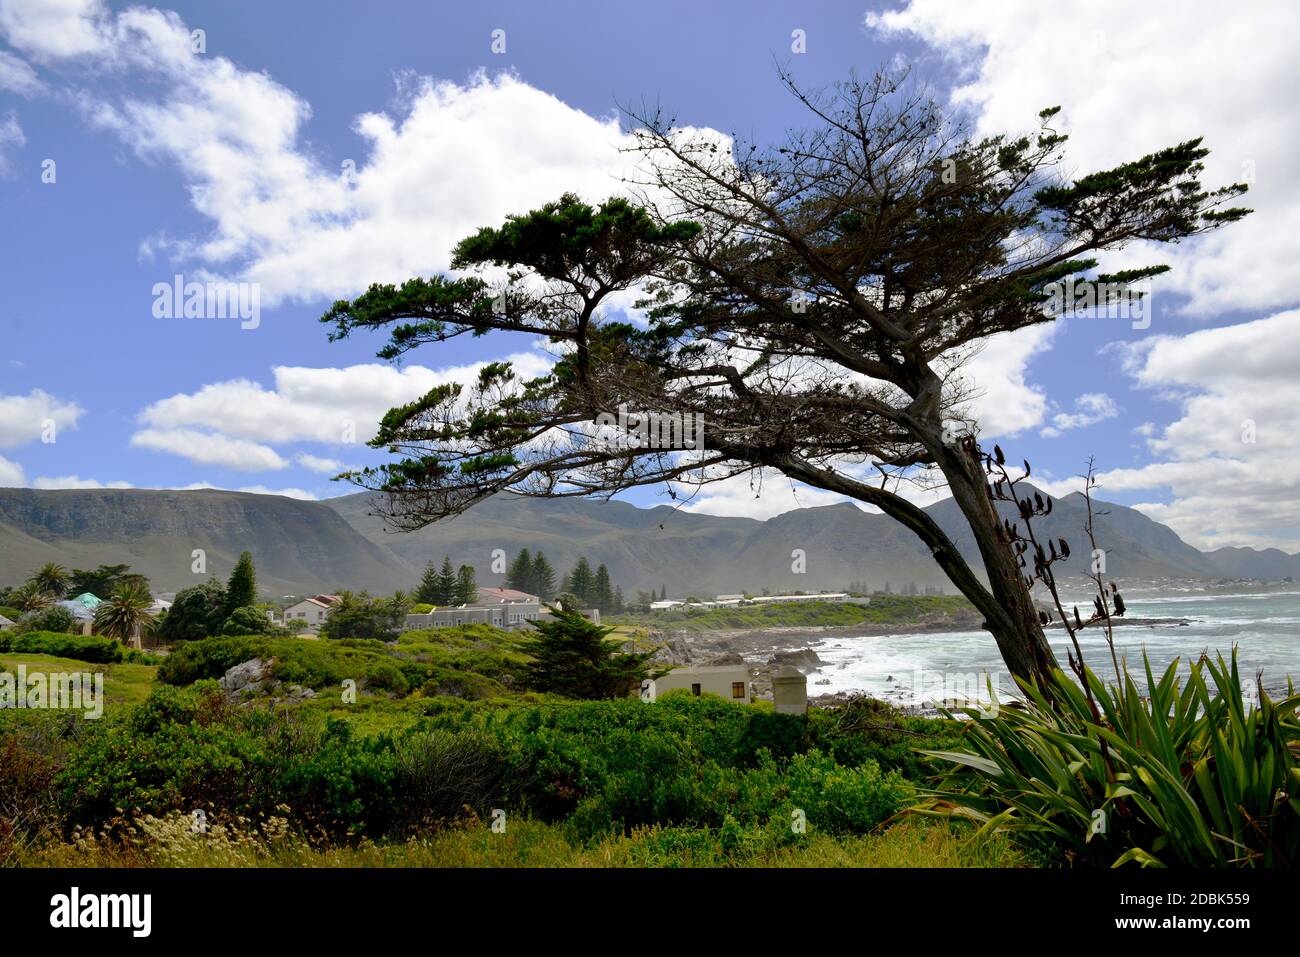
919, 669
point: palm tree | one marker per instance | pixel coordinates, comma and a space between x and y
51, 578
30, 596
125, 614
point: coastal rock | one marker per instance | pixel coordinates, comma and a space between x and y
671, 650
250, 675
728, 659
805, 659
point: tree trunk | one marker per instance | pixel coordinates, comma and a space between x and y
1018, 632
1007, 606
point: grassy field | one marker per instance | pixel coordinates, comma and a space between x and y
527, 843
407, 770
883, 610
124, 685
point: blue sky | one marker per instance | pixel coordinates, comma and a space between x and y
227, 163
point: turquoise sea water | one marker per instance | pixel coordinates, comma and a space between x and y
918, 668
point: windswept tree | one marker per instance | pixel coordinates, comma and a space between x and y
813, 304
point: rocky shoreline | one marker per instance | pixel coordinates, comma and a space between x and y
768, 648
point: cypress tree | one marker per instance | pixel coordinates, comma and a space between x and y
466, 586
582, 582
241, 589
446, 582
602, 590
519, 575
543, 578
573, 657
426, 592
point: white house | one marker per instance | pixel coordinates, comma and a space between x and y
726, 681
502, 607
310, 613
837, 596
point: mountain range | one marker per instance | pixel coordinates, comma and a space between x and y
302, 547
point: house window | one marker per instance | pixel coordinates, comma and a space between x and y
738, 689
695, 690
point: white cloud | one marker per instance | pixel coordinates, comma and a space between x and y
448, 159
211, 448
1170, 70
26, 418
11, 138
762, 496
55, 29
1232, 458
1005, 402
298, 493
315, 463
232, 423
328, 405
17, 75
1089, 409
11, 474
75, 482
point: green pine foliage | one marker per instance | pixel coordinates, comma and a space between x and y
519, 575
446, 583
466, 585
427, 591
543, 579
576, 658
241, 590
582, 582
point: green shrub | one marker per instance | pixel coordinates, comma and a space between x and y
386, 676
247, 620
1190, 775
52, 618
93, 648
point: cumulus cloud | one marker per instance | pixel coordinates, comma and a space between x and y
315, 463
37, 415
332, 405
11, 474
17, 75
1167, 78
298, 493
75, 482
1004, 401
449, 158
11, 139
762, 495
211, 448
1089, 409
1231, 459
234, 423
51, 30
